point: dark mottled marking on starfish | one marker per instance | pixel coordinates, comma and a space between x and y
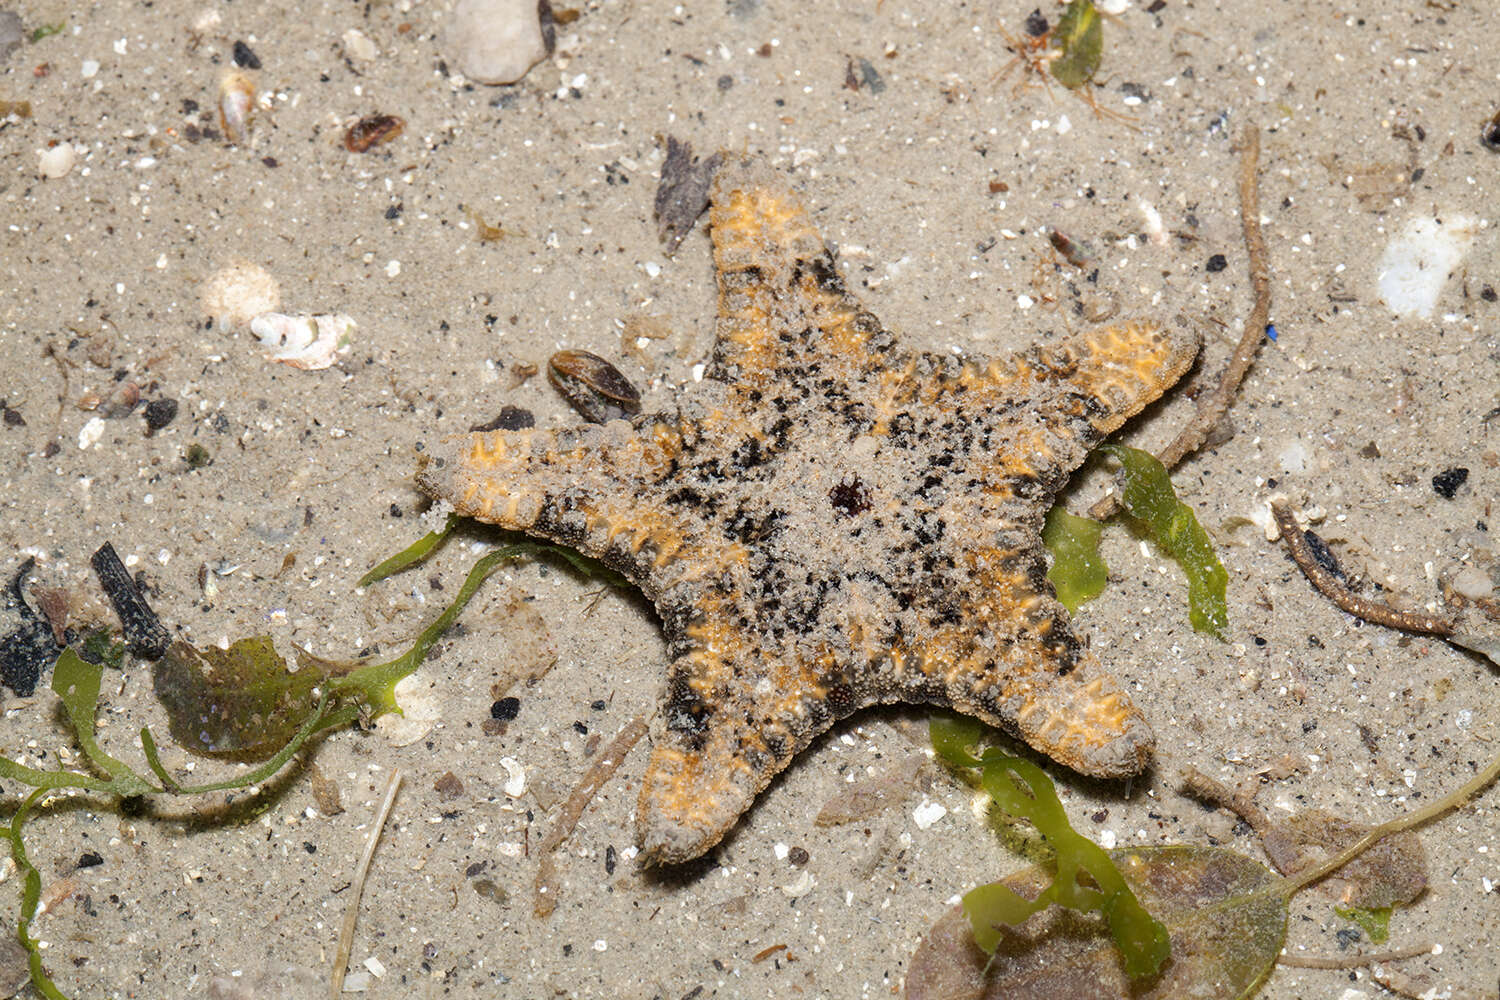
826, 522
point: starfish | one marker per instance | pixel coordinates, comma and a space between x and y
826, 522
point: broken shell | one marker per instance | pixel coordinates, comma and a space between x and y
234, 295
1489, 135
308, 342
236, 105
372, 130
593, 386
515, 782
56, 162
122, 402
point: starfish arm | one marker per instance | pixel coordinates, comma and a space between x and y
1018, 666
734, 715
590, 487
780, 292
1058, 402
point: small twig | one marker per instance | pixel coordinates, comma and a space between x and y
1212, 407
567, 818
144, 632
1242, 803
1330, 587
351, 915
1354, 961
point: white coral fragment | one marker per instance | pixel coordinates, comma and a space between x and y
308, 342
1417, 263
234, 295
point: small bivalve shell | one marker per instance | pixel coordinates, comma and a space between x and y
307, 342
236, 105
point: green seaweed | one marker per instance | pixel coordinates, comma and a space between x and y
1078, 572
100, 646
1079, 40
1376, 923
1023, 790
1147, 496
1225, 914
46, 30
246, 704
413, 553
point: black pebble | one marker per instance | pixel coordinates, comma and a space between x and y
1447, 482
245, 57
1217, 263
505, 709
90, 859
160, 413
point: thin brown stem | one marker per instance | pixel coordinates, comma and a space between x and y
1213, 406
603, 769
1330, 587
1354, 961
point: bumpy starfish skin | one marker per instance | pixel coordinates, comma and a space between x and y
826, 522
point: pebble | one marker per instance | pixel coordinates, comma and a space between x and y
496, 41
90, 433
359, 46
234, 295
56, 162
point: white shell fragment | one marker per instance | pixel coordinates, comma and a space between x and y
515, 783
56, 162
1417, 263
308, 342
420, 712
496, 41
234, 295
928, 813
359, 46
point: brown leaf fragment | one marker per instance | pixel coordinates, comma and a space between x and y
1225, 936
1392, 873
1375, 185
449, 786
871, 796
682, 194
325, 792
15, 970
54, 603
